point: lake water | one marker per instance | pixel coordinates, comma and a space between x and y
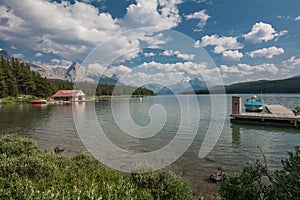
51, 125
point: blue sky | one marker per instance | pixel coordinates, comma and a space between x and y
246, 39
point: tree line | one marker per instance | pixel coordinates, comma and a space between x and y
16, 78
290, 85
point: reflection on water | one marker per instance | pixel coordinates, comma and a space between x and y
51, 125
236, 134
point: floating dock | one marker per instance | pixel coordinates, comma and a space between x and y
275, 115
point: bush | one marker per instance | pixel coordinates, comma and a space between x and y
26, 172
163, 185
297, 110
13, 146
255, 182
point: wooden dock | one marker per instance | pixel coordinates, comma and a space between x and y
276, 115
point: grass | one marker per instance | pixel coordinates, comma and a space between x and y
20, 98
27, 172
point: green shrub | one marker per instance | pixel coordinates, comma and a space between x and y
12, 146
163, 185
26, 172
283, 184
297, 110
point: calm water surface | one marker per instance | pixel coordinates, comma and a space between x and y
51, 125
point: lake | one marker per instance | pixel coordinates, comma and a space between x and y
51, 125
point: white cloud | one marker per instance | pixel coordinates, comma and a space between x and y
263, 32
159, 73
248, 70
178, 54
201, 15
61, 28
99, 69
221, 43
266, 52
232, 55
297, 18
185, 56
60, 62
292, 63
151, 54
145, 14
38, 54
18, 55
72, 30
197, 44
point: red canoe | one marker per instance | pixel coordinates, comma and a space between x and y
38, 101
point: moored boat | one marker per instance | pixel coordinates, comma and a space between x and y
38, 101
254, 104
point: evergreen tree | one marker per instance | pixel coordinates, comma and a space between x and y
3, 88
10, 79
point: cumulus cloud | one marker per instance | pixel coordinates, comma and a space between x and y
263, 32
151, 54
246, 70
71, 30
178, 54
201, 15
297, 18
266, 52
232, 55
291, 63
160, 73
145, 14
38, 54
197, 44
19, 55
221, 44
61, 28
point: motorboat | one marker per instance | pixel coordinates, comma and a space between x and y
254, 104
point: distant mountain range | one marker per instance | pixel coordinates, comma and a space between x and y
186, 86
289, 85
182, 86
74, 72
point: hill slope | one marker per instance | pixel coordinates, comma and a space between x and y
264, 86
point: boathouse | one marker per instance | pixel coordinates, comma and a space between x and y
69, 95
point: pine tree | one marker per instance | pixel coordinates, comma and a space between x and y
3, 88
10, 79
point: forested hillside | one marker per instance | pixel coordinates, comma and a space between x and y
291, 85
16, 78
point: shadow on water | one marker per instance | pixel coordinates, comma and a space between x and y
237, 130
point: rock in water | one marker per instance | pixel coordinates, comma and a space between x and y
59, 149
219, 176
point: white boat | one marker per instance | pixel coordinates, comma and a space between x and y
254, 104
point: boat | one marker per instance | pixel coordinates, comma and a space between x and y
254, 104
38, 101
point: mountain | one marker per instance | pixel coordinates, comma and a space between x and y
4, 54
182, 86
297, 76
290, 85
74, 72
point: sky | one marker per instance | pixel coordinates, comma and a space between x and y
158, 41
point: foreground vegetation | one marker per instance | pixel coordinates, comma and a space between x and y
27, 172
255, 182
